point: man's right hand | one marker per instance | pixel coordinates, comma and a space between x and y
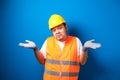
29, 44
91, 44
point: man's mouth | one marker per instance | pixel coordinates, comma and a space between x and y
58, 35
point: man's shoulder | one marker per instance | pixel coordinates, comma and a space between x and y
50, 37
73, 37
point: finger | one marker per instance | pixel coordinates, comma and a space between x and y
24, 45
27, 41
93, 47
21, 44
98, 45
92, 40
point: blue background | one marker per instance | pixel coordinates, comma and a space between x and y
86, 19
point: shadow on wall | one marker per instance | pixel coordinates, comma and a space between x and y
92, 69
74, 32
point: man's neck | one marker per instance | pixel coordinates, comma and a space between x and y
64, 39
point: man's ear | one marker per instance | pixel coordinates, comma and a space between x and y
66, 28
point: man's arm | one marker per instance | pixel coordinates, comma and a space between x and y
32, 45
39, 55
84, 53
83, 56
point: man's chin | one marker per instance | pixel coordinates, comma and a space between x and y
59, 39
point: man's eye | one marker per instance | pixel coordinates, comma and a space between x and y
53, 30
60, 27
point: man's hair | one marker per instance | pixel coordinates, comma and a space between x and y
64, 24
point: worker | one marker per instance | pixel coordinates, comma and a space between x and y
61, 53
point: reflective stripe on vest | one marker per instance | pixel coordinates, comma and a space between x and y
63, 73
63, 62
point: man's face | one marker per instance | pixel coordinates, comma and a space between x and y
59, 32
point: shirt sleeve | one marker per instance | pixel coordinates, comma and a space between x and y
43, 49
79, 46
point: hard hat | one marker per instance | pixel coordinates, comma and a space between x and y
55, 20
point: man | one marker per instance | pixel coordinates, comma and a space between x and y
61, 54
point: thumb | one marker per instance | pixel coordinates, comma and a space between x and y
92, 40
27, 41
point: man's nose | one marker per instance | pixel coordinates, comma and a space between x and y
57, 31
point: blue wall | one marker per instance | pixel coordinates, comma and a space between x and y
86, 19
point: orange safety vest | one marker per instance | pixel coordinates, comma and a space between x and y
61, 65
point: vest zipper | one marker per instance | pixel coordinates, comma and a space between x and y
60, 66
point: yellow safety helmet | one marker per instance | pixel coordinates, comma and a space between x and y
55, 20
